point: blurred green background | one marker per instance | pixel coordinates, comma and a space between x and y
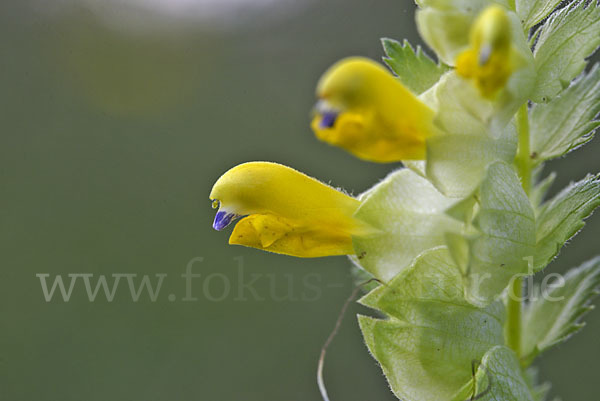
115, 124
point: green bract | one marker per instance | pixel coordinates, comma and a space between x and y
409, 213
501, 376
432, 333
457, 158
505, 236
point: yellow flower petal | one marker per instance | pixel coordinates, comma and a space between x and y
488, 61
364, 109
286, 211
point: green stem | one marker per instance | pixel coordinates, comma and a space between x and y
514, 305
513, 316
523, 159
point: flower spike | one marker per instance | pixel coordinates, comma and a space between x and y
364, 109
285, 211
488, 61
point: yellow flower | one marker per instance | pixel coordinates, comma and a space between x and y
364, 109
488, 61
285, 211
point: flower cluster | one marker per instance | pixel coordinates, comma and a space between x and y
448, 235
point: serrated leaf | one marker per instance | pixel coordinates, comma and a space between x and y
432, 333
566, 122
566, 39
499, 377
409, 213
556, 312
532, 12
561, 217
415, 69
506, 235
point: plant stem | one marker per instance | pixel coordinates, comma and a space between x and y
523, 159
513, 316
514, 304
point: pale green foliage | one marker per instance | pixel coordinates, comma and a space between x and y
561, 217
455, 228
566, 39
457, 158
429, 320
533, 11
415, 69
501, 373
457, 163
566, 122
409, 212
553, 317
505, 236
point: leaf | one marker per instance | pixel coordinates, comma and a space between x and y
555, 313
566, 39
409, 212
532, 12
562, 217
505, 236
499, 377
567, 121
431, 335
415, 69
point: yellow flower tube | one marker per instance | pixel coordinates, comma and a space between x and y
364, 109
285, 211
488, 61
